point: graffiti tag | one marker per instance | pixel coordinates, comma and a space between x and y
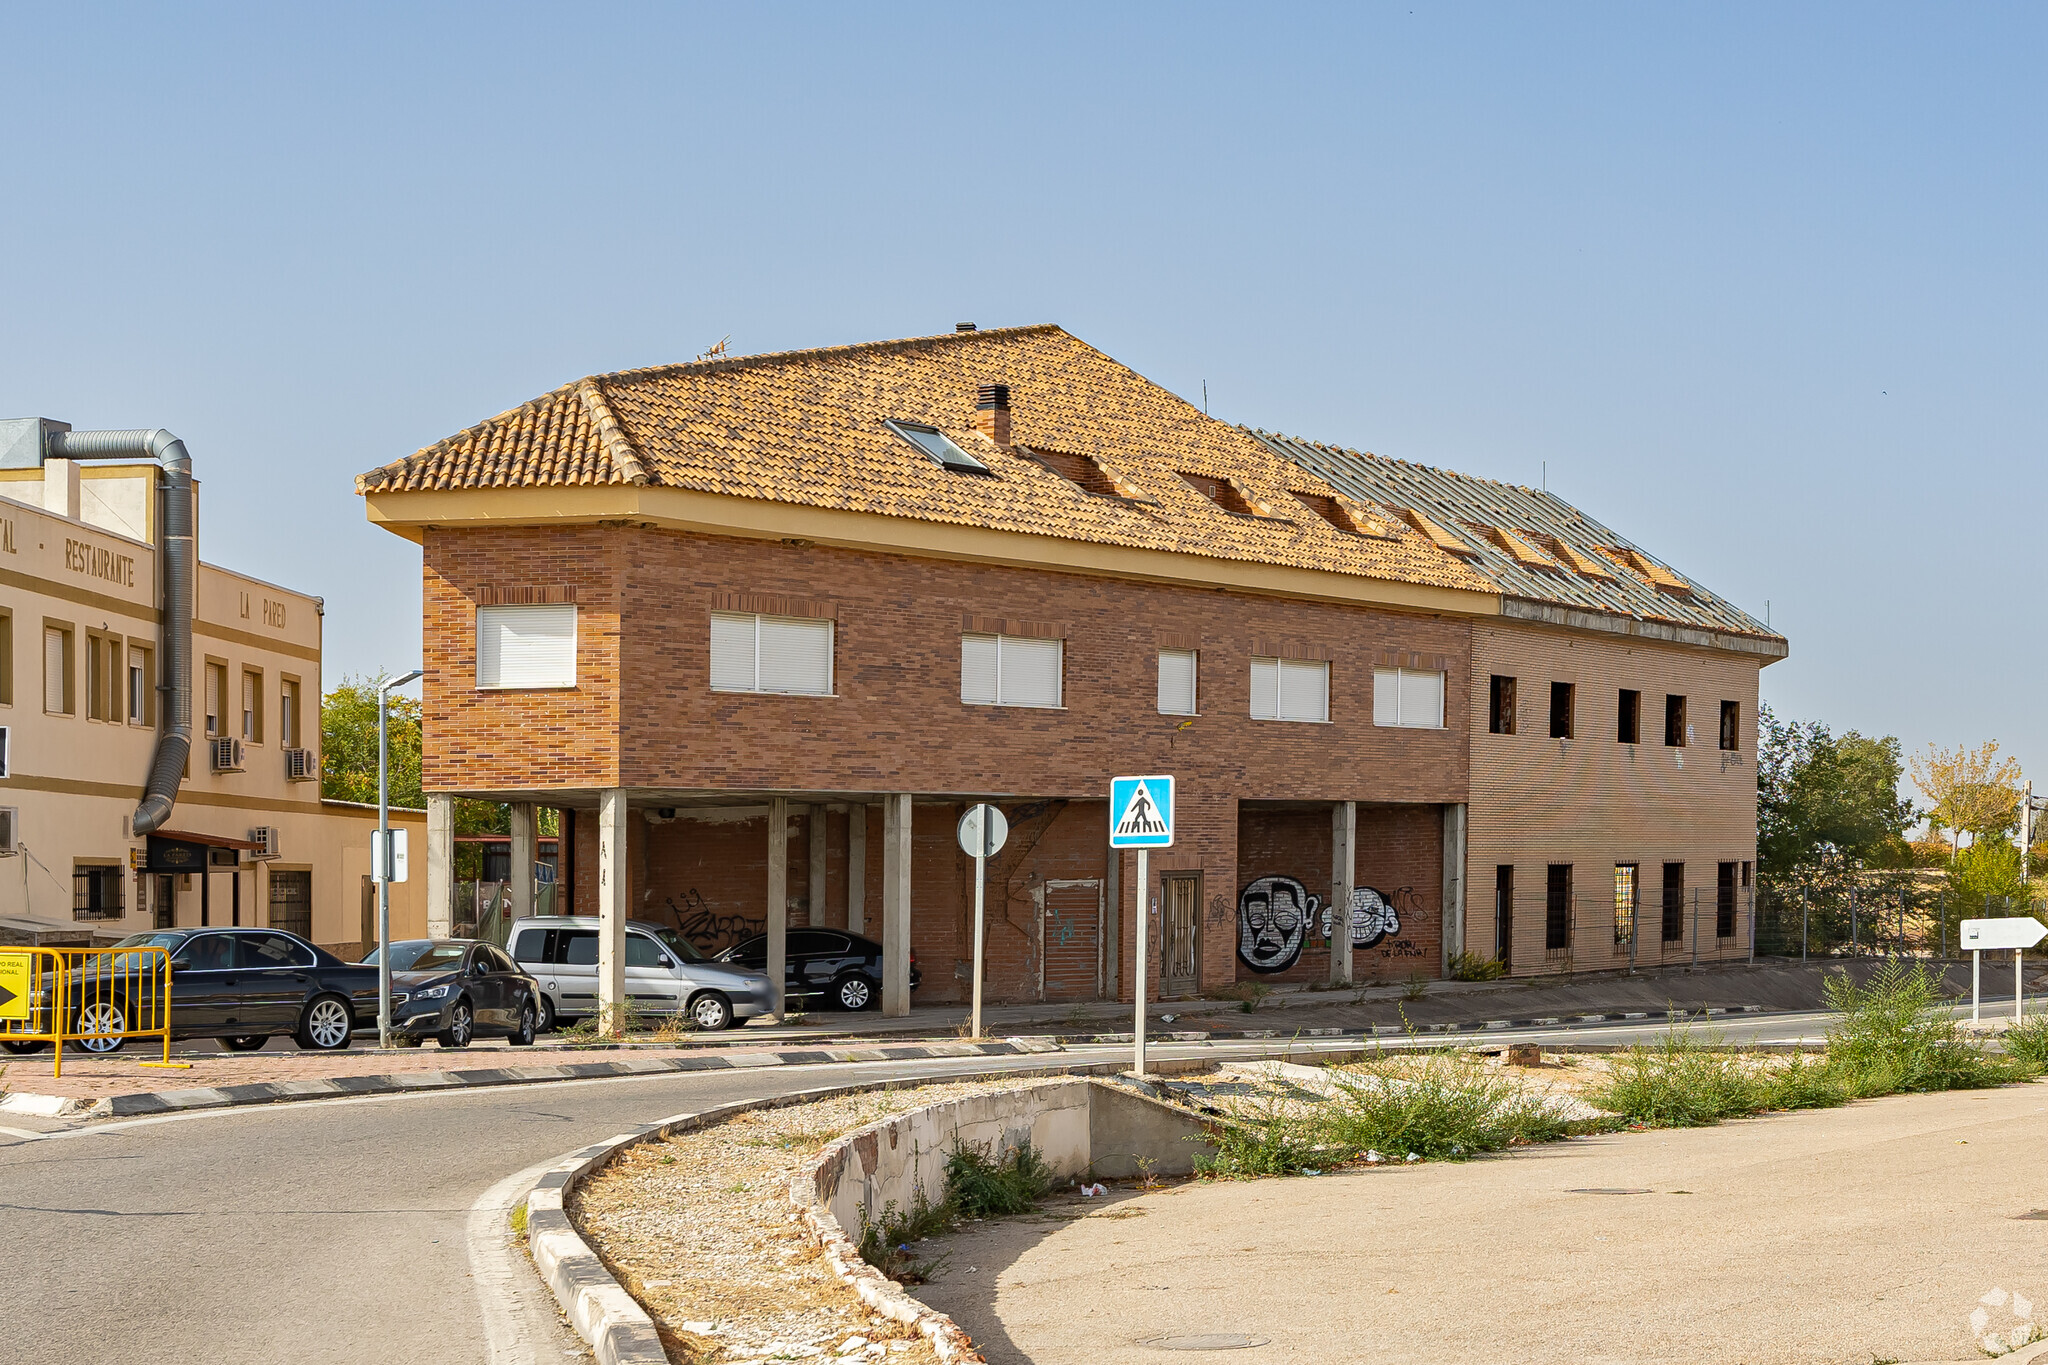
708, 931
1373, 918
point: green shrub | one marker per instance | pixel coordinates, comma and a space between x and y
1472, 967
981, 1186
1267, 1138
1680, 1082
2027, 1042
1802, 1082
1442, 1107
1896, 1034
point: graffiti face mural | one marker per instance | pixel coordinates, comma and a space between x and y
1273, 917
1373, 918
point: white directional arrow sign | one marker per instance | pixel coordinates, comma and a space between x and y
2020, 931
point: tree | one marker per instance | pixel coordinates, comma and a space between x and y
1827, 799
1988, 870
1974, 791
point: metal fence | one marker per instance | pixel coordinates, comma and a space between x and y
1626, 929
89, 997
1881, 915
483, 910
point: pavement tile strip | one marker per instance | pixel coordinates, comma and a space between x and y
86, 1096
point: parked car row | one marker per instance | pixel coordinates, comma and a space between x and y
243, 987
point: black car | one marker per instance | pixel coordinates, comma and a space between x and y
240, 986
843, 968
453, 989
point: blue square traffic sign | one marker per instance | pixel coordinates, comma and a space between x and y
1141, 812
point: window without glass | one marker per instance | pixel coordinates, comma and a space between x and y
1624, 902
1176, 682
1674, 902
528, 646
1724, 902
1731, 725
1629, 728
785, 654
102, 655
1500, 705
1408, 696
1557, 908
1009, 670
57, 694
141, 693
96, 892
1561, 710
1290, 689
1504, 913
1674, 722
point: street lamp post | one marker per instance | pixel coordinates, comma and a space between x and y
382, 860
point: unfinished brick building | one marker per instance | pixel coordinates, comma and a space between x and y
762, 626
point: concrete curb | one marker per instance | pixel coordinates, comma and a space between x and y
280, 1092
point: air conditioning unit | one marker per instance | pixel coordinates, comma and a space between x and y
10, 831
227, 755
265, 839
299, 766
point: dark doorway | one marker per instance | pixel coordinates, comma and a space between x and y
1557, 909
1674, 902
1180, 967
1504, 915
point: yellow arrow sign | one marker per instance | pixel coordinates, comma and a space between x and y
17, 983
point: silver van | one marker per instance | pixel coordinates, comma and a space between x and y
665, 974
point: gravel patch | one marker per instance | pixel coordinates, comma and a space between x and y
699, 1228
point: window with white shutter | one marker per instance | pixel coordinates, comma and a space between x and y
1010, 670
57, 671
1176, 682
1409, 697
787, 654
1290, 689
521, 647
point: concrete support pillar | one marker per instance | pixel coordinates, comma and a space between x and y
778, 902
1454, 883
524, 844
1343, 876
856, 868
815, 908
613, 906
896, 905
440, 865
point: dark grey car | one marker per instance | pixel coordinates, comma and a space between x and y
456, 989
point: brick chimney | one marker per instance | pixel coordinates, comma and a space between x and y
992, 412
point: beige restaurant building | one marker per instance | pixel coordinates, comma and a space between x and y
249, 840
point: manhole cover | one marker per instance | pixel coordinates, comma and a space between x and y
2033, 1216
1206, 1341
1607, 1191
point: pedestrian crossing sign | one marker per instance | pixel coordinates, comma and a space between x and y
1141, 812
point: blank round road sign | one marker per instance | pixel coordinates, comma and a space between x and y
983, 831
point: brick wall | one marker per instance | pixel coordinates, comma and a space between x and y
1400, 855
1592, 802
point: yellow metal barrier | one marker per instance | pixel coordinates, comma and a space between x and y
95, 997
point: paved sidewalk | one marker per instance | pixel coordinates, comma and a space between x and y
1829, 1237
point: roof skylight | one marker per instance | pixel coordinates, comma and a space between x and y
938, 445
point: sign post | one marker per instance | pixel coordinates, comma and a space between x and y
983, 829
387, 860
2019, 933
1141, 818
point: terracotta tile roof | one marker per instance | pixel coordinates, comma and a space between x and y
1535, 546
808, 427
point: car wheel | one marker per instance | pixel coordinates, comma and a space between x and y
529, 1024
548, 1021
711, 1012
23, 1047
325, 1026
102, 1022
854, 993
461, 1026
248, 1043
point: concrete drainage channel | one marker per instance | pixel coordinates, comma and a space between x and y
1080, 1125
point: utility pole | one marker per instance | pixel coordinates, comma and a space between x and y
382, 862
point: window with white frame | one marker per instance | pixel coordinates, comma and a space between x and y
1009, 670
1290, 689
1408, 696
526, 646
786, 654
1176, 682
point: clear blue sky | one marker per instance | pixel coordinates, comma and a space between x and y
1764, 285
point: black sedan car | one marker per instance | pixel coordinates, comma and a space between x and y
454, 989
240, 986
831, 964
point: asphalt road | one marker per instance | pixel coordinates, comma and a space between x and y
341, 1230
